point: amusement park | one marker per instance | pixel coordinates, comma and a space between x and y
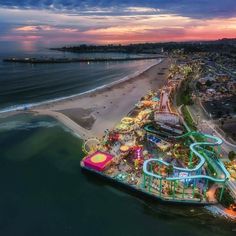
152, 152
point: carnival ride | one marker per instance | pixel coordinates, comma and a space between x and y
91, 145
153, 139
194, 174
98, 160
184, 165
127, 120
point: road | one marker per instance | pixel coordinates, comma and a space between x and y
206, 125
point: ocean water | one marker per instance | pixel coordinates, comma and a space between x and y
27, 84
44, 191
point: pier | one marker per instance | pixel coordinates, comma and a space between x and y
73, 60
161, 163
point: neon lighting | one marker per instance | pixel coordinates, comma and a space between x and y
98, 158
194, 149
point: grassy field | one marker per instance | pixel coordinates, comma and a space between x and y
188, 119
183, 95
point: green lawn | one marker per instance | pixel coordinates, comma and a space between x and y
188, 119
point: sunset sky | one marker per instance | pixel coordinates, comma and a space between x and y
60, 22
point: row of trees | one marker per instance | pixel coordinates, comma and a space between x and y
131, 48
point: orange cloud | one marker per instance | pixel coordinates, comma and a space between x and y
27, 28
35, 28
165, 28
45, 26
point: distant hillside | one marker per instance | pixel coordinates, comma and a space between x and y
131, 48
221, 45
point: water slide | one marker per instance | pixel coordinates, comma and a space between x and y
198, 148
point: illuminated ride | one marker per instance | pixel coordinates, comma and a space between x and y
194, 174
91, 145
166, 180
98, 160
127, 121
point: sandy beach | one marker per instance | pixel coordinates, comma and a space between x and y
90, 114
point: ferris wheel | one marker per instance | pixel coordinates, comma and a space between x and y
91, 145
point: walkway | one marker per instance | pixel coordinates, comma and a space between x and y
73, 126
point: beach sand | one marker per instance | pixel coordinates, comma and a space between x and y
89, 115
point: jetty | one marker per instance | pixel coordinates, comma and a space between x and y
33, 60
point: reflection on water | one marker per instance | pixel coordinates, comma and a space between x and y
44, 192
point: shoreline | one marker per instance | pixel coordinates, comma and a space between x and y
104, 107
26, 106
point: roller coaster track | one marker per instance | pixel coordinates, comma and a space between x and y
198, 148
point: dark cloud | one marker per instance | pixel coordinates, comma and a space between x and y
191, 8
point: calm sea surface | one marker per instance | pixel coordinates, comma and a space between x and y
23, 84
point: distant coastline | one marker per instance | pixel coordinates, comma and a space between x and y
152, 48
144, 48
